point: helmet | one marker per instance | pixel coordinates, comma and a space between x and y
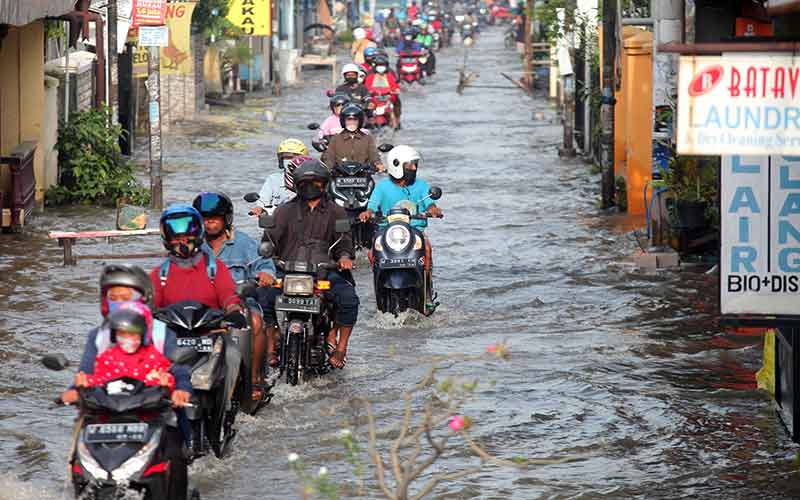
129, 319
340, 99
382, 60
359, 34
178, 220
123, 275
349, 68
362, 74
370, 52
294, 147
308, 171
211, 204
399, 156
288, 173
352, 111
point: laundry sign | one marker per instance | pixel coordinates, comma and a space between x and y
745, 104
760, 235
253, 17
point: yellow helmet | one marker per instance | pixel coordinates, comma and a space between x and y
293, 147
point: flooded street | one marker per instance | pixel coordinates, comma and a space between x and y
626, 370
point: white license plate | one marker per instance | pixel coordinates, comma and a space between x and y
380, 110
199, 344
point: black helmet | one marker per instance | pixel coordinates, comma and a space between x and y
311, 170
128, 320
123, 275
352, 111
339, 99
182, 220
211, 204
381, 60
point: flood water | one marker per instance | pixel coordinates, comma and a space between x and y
622, 369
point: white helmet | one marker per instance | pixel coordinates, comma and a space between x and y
399, 156
359, 34
349, 68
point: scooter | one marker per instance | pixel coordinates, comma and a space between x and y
382, 107
399, 272
410, 67
303, 312
126, 438
220, 361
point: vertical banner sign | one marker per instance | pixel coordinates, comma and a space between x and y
176, 58
253, 17
760, 250
746, 104
149, 12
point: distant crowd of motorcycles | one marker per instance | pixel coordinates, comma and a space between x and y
185, 348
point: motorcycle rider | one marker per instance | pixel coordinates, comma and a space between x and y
304, 225
352, 87
120, 284
425, 38
382, 79
331, 125
352, 143
392, 25
412, 10
360, 42
277, 187
240, 253
403, 184
369, 59
407, 44
190, 272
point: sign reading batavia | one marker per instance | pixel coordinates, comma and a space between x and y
746, 104
760, 231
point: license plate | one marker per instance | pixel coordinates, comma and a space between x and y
199, 344
298, 304
380, 110
352, 182
410, 69
116, 433
398, 263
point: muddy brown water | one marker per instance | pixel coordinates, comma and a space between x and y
623, 369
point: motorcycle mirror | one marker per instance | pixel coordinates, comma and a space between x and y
435, 193
329, 93
313, 126
55, 362
342, 226
251, 197
266, 221
182, 355
266, 249
385, 147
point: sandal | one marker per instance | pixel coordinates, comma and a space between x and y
335, 356
330, 348
272, 359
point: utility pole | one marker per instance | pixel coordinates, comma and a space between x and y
568, 81
154, 91
113, 59
528, 56
607, 102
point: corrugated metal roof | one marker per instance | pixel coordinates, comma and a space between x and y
22, 12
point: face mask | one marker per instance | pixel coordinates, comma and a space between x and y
129, 345
351, 79
409, 176
380, 69
309, 191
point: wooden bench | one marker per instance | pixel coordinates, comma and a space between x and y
317, 60
66, 240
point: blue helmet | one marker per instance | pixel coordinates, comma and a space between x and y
370, 51
182, 220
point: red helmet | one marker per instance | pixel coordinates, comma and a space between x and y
295, 162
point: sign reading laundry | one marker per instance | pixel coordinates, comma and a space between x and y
747, 104
253, 17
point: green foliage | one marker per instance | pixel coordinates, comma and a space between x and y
346, 37
54, 29
93, 170
211, 16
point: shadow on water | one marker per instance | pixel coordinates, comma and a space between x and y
627, 370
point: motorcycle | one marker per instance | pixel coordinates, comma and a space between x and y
126, 438
399, 272
381, 106
392, 37
303, 313
351, 188
410, 67
221, 362
468, 34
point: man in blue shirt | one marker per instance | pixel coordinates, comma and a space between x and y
402, 184
240, 253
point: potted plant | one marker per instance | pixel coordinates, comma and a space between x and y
692, 184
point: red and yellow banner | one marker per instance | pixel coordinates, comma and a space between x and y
176, 59
149, 12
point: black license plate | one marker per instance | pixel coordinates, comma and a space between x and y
298, 304
352, 182
116, 433
398, 263
199, 344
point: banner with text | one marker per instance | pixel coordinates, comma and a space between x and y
746, 104
176, 58
149, 12
253, 17
760, 231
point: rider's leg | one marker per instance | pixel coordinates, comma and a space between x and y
266, 298
259, 344
346, 300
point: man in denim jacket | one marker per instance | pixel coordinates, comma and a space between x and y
240, 254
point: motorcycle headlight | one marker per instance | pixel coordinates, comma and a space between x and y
89, 463
137, 463
397, 238
298, 285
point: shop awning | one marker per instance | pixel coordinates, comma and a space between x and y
20, 13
